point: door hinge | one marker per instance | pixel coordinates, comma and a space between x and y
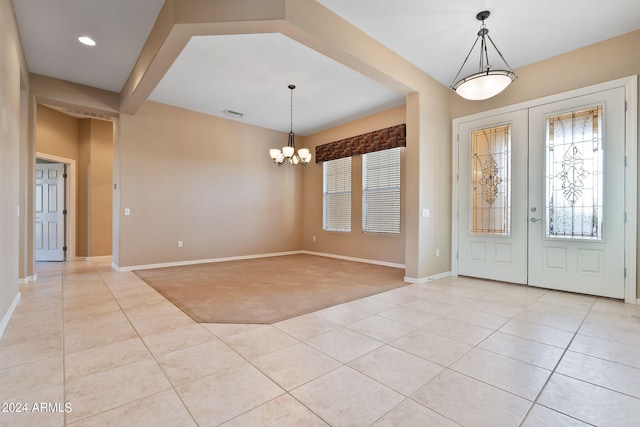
64, 248
625, 272
625, 160
625, 217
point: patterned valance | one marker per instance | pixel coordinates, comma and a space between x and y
382, 139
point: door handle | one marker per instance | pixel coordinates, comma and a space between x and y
534, 220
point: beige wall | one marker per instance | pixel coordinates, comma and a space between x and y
313, 25
206, 181
27, 266
101, 191
11, 65
203, 180
601, 62
90, 143
95, 181
83, 189
56, 133
379, 247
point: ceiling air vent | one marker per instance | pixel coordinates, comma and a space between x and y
235, 114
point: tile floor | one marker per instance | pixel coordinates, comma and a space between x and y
456, 351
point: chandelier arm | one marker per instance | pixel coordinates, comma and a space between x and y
499, 53
455, 79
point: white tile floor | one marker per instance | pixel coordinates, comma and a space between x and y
456, 351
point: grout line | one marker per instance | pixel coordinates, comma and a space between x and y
173, 387
104, 283
64, 355
553, 371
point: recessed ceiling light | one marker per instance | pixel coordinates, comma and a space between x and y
86, 40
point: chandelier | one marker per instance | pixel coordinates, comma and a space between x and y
487, 82
288, 153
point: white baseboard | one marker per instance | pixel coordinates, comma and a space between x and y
199, 261
348, 258
236, 258
427, 279
28, 279
94, 258
9, 313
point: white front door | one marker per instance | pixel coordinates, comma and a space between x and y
541, 195
576, 194
49, 204
492, 204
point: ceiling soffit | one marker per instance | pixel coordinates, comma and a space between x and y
304, 21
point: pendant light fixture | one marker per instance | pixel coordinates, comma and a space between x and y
487, 82
288, 153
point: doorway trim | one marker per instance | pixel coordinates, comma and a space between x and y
630, 84
70, 197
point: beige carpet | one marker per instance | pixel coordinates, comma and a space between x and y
267, 290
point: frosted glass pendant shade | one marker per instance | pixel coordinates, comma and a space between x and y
486, 82
484, 85
274, 153
303, 153
287, 151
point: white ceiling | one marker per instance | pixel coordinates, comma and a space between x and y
250, 73
49, 31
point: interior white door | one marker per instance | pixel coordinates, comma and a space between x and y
576, 194
492, 220
49, 206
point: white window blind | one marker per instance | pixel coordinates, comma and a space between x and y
337, 195
381, 191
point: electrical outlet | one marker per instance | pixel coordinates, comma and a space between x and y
437, 252
179, 243
314, 238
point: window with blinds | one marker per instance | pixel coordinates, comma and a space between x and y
381, 191
337, 195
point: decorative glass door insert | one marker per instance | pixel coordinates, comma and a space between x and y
574, 175
491, 180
